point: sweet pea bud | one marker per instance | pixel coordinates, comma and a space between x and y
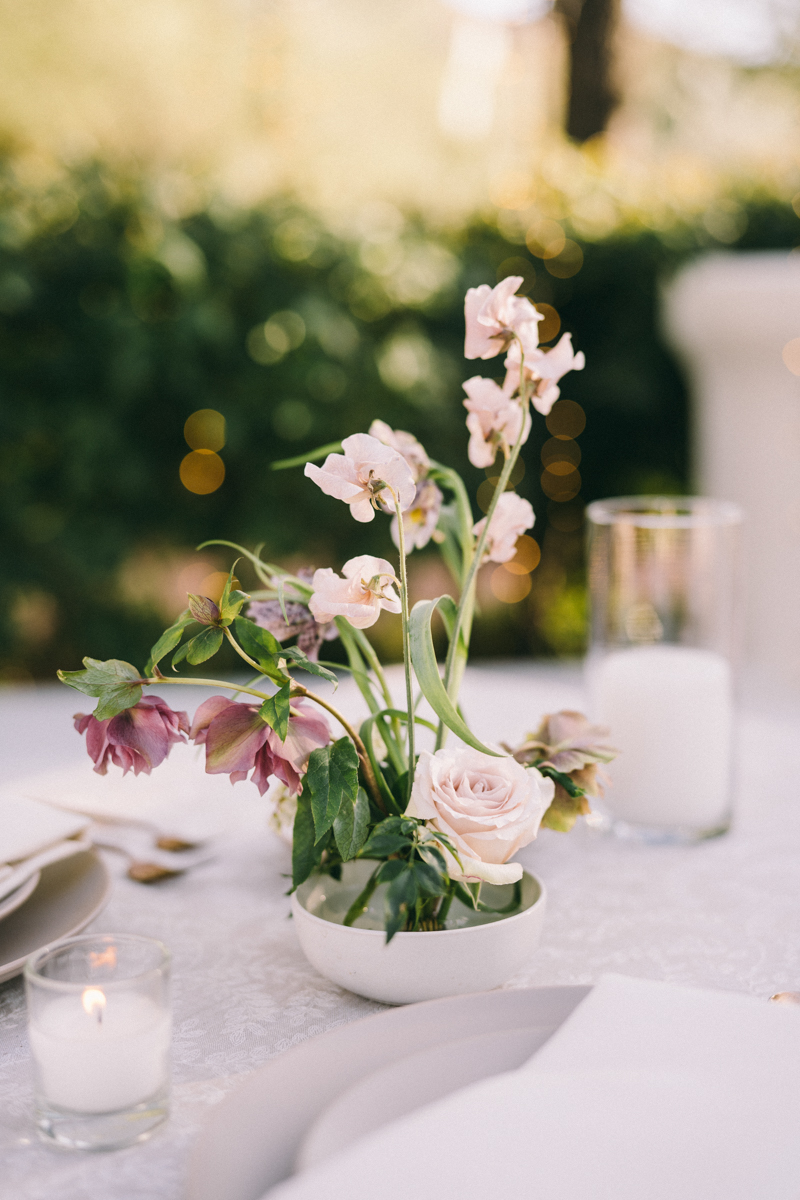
203, 610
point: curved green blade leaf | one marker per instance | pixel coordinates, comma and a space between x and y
423, 657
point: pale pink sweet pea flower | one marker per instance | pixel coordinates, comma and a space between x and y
488, 807
137, 739
367, 588
238, 741
512, 516
421, 519
546, 368
363, 474
493, 316
405, 444
494, 420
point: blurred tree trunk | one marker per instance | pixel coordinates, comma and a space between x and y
592, 97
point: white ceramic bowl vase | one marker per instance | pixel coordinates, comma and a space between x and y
481, 953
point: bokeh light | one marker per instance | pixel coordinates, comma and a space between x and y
566, 419
549, 327
508, 587
271, 341
527, 557
560, 456
205, 430
791, 355
517, 471
519, 266
202, 472
568, 261
213, 584
545, 239
560, 487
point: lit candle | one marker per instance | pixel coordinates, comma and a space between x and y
99, 1029
100, 1052
670, 709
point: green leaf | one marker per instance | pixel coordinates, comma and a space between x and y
168, 640
180, 653
114, 682
571, 788
306, 855
300, 659
350, 826
427, 671
387, 795
260, 645
381, 845
98, 675
204, 646
114, 700
331, 779
429, 881
275, 711
283, 464
401, 896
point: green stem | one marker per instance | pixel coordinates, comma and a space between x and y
463, 621
250, 662
401, 539
207, 683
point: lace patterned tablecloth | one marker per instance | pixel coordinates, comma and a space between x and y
724, 914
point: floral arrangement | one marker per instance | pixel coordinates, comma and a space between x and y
437, 824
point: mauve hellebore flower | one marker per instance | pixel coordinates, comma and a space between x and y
299, 622
139, 738
363, 474
238, 741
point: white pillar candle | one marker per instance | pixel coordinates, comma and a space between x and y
98, 1053
670, 711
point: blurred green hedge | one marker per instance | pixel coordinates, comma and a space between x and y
117, 323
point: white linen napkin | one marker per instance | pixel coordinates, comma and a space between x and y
648, 1090
178, 799
32, 835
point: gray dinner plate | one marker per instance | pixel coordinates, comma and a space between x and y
70, 894
12, 901
287, 1111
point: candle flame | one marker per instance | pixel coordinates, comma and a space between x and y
94, 1001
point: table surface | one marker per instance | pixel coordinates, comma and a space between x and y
725, 914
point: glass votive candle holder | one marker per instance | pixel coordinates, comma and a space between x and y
665, 614
99, 1024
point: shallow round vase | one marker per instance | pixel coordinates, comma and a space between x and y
474, 953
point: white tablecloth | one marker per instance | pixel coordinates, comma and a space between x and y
722, 914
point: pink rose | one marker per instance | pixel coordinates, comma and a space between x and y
139, 738
367, 587
488, 807
238, 741
510, 519
363, 475
493, 420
